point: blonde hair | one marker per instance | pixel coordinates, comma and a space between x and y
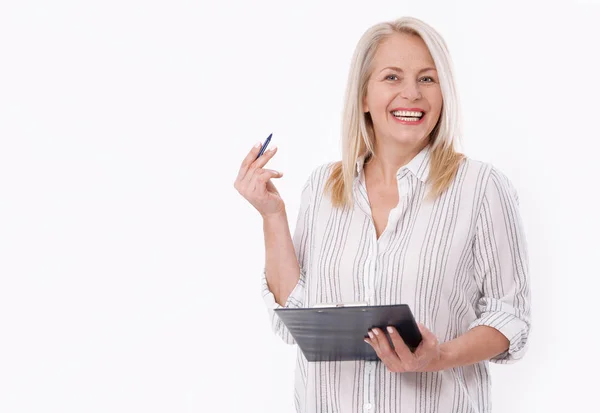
358, 137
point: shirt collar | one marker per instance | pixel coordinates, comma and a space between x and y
418, 166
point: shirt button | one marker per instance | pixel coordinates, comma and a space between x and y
368, 406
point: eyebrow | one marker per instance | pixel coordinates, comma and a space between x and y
397, 69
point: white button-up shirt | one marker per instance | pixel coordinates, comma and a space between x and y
459, 261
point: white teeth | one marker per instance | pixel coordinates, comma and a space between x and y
407, 113
408, 119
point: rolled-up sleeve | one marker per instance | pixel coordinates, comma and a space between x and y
301, 240
501, 267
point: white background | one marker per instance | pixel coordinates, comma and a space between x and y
129, 265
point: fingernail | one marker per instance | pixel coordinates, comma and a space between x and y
390, 330
376, 332
367, 341
273, 148
258, 145
370, 334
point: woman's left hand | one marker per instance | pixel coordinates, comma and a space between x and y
400, 359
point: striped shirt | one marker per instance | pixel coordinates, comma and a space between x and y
459, 261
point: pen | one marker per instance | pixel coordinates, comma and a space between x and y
262, 150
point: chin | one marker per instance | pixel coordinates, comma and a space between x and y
409, 140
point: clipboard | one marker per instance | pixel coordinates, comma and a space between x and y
337, 333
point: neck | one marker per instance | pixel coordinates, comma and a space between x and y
383, 166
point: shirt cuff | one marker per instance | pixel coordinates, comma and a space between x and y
512, 327
294, 300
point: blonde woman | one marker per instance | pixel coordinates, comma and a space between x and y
402, 218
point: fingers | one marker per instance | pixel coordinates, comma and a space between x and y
264, 158
245, 180
428, 336
399, 358
429, 344
379, 342
262, 176
250, 161
250, 157
260, 162
410, 361
407, 357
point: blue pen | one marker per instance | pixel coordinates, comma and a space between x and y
262, 150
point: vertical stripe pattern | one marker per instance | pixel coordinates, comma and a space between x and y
459, 261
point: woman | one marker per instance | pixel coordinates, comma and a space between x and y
403, 218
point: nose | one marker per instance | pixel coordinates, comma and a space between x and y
411, 91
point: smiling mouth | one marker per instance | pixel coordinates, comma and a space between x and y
408, 116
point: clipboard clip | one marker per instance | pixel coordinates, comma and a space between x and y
338, 305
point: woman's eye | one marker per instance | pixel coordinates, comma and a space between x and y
395, 77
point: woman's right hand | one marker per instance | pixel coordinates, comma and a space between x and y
253, 183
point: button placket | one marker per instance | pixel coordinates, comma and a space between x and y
368, 391
370, 282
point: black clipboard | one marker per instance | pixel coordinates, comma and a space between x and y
337, 333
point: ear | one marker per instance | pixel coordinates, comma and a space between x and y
365, 105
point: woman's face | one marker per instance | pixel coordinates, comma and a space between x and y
403, 78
